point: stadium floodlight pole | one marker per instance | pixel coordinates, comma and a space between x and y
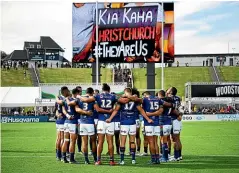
96, 49
162, 51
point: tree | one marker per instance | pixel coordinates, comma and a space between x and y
3, 54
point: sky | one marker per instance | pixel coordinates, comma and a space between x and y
200, 26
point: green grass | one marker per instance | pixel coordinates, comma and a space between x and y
229, 74
15, 78
173, 77
207, 147
72, 75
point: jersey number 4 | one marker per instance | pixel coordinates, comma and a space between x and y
106, 104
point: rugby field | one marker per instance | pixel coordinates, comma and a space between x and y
207, 147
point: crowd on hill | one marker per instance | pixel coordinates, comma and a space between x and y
123, 75
7, 65
212, 110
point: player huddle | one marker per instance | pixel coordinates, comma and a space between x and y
87, 120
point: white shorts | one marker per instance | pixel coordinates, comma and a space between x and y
70, 128
117, 126
167, 130
96, 121
128, 129
60, 127
87, 129
137, 124
152, 130
177, 126
105, 128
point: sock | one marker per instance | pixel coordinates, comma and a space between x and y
146, 149
157, 157
72, 158
132, 151
95, 156
176, 154
165, 151
138, 149
86, 157
179, 153
79, 143
122, 150
117, 143
98, 158
64, 155
161, 148
59, 153
68, 146
153, 157
112, 158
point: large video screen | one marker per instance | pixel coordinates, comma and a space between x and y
127, 32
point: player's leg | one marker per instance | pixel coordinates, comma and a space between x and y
132, 135
176, 131
170, 138
109, 136
58, 143
117, 137
166, 133
124, 129
149, 133
73, 137
101, 139
84, 136
94, 147
79, 142
156, 135
65, 143
145, 153
138, 140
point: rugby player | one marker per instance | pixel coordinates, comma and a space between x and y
166, 126
153, 107
87, 127
128, 124
60, 121
79, 142
70, 126
105, 103
176, 124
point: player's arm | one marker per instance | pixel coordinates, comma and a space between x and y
155, 113
87, 100
58, 115
81, 111
114, 113
70, 103
123, 100
142, 112
135, 99
100, 110
58, 101
64, 112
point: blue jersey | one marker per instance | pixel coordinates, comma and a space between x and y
137, 115
59, 109
152, 104
105, 101
71, 111
128, 113
177, 102
165, 118
86, 119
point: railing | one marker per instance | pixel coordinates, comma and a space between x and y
215, 72
35, 74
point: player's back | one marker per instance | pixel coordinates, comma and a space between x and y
151, 104
177, 102
128, 113
71, 111
60, 111
165, 118
86, 119
105, 101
